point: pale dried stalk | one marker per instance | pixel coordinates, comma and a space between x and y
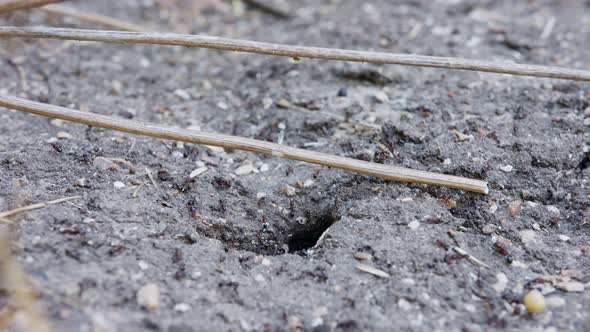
6, 214
21, 297
295, 51
98, 19
233, 142
10, 5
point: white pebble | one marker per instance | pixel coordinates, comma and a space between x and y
404, 304
527, 236
289, 191
182, 94
244, 169
182, 307
119, 184
266, 103
553, 209
264, 168
554, 301
222, 105
493, 208
564, 238
381, 97
308, 183
143, 265
148, 296
501, 282
506, 168
414, 225
198, 171
57, 122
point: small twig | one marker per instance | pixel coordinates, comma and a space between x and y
10, 5
294, 51
387, 172
470, 257
4, 215
372, 270
262, 6
105, 21
548, 29
149, 174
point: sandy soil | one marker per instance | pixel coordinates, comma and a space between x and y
233, 252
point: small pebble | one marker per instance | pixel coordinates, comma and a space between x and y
488, 229
501, 282
414, 225
198, 171
81, 182
143, 265
534, 301
404, 305
493, 208
119, 184
244, 169
289, 191
506, 168
564, 238
117, 87
381, 97
264, 168
553, 209
536, 227
103, 164
407, 200
514, 208
182, 307
527, 236
554, 302
342, 92
182, 94
57, 122
362, 256
266, 103
222, 105
148, 296
308, 183
570, 286
260, 195
63, 135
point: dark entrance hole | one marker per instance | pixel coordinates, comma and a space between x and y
306, 236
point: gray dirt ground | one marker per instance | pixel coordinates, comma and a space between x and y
241, 261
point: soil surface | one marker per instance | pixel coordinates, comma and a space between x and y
253, 243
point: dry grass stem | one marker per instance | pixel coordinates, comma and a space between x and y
470, 257
294, 51
6, 214
11, 5
387, 172
20, 295
372, 270
88, 17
